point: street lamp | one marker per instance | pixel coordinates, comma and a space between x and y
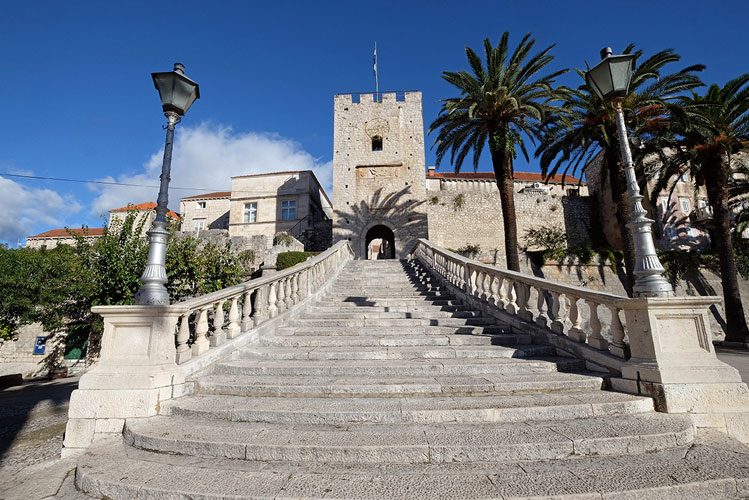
609, 79
177, 94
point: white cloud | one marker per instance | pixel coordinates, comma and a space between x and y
26, 209
206, 157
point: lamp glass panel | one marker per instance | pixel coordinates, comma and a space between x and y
620, 74
601, 78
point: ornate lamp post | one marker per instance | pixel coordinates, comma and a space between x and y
609, 79
177, 94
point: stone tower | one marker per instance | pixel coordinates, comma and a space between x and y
378, 172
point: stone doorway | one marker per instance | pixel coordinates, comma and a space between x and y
380, 243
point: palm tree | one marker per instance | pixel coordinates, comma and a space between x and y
588, 131
705, 146
500, 103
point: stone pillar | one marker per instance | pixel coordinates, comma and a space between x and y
136, 370
673, 361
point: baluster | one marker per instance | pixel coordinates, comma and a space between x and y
247, 311
260, 305
576, 332
559, 311
471, 282
295, 289
617, 347
479, 284
523, 300
288, 300
595, 339
272, 308
512, 304
281, 295
183, 337
543, 317
233, 329
486, 287
201, 343
497, 292
218, 336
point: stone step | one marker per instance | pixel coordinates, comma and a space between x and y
389, 323
386, 302
397, 368
420, 306
309, 386
112, 470
512, 350
410, 444
375, 330
336, 313
339, 411
372, 338
358, 296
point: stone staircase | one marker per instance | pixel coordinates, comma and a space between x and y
387, 387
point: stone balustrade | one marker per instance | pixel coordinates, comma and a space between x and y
209, 320
658, 347
149, 353
563, 309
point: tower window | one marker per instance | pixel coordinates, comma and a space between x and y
377, 143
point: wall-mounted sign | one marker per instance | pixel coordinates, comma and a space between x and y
40, 345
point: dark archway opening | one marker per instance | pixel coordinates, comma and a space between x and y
377, 143
380, 243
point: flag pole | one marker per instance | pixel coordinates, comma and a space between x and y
377, 82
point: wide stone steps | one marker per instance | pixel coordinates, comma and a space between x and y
382, 368
410, 444
116, 471
387, 387
333, 353
423, 410
387, 323
391, 386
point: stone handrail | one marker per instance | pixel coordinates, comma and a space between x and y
552, 305
204, 322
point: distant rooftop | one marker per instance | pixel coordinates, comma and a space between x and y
217, 194
148, 205
58, 233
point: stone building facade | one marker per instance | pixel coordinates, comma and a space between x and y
205, 211
379, 192
465, 209
682, 215
268, 204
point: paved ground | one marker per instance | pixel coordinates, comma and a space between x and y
33, 420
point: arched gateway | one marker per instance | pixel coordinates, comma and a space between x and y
379, 243
378, 172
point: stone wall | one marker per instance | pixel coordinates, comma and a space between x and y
17, 356
215, 215
474, 217
378, 183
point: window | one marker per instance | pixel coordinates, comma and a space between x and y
201, 204
250, 212
686, 207
377, 143
670, 232
683, 178
288, 210
664, 204
701, 203
199, 224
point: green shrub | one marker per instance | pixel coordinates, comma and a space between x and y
288, 259
284, 239
459, 201
469, 251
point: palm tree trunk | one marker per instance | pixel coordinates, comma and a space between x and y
618, 182
717, 193
502, 162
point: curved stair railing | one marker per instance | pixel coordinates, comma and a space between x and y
657, 347
149, 353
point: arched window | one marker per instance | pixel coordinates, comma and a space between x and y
377, 143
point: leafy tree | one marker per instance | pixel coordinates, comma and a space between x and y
705, 144
500, 103
58, 287
588, 129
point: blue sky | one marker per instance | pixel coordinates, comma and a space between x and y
77, 99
